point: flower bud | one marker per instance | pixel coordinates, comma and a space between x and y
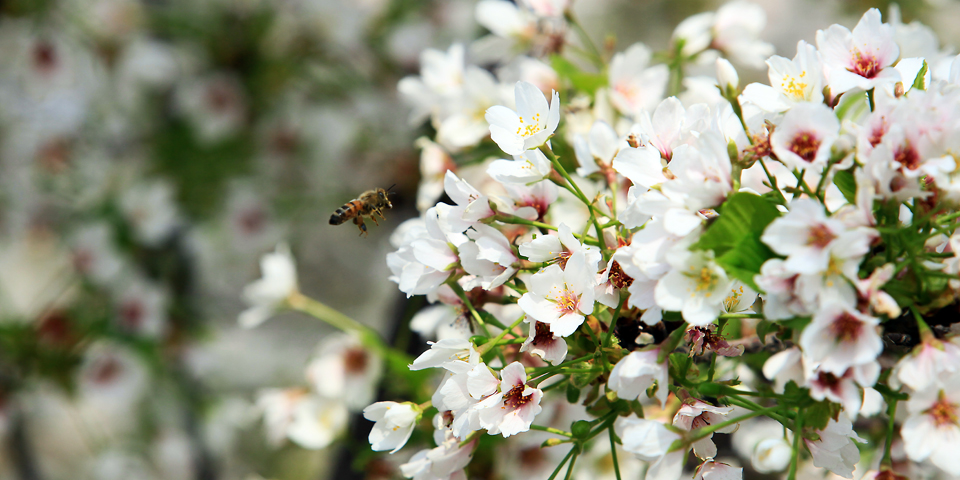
771, 455
727, 76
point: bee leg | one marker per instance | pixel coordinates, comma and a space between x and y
374, 220
358, 220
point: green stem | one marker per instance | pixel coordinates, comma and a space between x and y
551, 430
368, 336
740, 402
504, 218
613, 452
562, 463
487, 346
891, 427
573, 461
534, 372
613, 322
473, 312
705, 432
597, 57
727, 316
772, 180
947, 218
576, 191
795, 462
870, 99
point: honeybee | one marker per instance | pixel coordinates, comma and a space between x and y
370, 203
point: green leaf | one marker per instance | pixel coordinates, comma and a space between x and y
573, 393
819, 414
584, 379
847, 185
918, 80
764, 327
743, 215
734, 237
744, 261
583, 81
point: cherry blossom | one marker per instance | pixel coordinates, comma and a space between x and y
859, 59
530, 125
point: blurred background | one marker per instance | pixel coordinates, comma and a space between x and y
152, 150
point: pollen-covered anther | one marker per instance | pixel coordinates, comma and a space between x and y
864, 65
515, 398
568, 301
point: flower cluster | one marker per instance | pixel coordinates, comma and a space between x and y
637, 211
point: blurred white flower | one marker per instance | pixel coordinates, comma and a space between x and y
317, 422
394, 424
266, 295
345, 371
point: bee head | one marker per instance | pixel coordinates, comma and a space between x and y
383, 193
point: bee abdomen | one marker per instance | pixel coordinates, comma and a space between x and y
344, 213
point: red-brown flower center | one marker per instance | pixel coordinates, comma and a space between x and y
846, 327
805, 145
543, 335
131, 314
355, 360
515, 398
908, 157
820, 236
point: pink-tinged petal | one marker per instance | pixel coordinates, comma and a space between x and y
705, 448
546, 283
512, 375
480, 382
842, 81
544, 248
566, 324
539, 308
835, 44
641, 165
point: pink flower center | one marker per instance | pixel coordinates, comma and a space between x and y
106, 371
864, 65
805, 145
820, 236
944, 413
908, 157
131, 314
515, 398
568, 301
846, 327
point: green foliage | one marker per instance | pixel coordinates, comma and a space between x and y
582, 81
847, 184
734, 237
